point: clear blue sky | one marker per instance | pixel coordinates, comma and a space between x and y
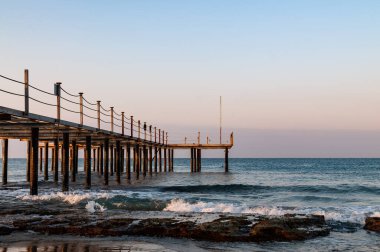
291, 73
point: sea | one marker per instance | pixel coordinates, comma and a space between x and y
345, 191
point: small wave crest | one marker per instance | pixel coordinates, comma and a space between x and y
93, 207
343, 214
71, 198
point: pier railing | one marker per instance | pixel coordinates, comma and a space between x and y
88, 112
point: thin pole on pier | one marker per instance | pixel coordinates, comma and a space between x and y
165, 161
56, 156
199, 137
159, 136
155, 134
199, 160
169, 159
28, 160
122, 123
144, 130
118, 161
111, 119
172, 160
34, 162
131, 126
226, 160
5, 161
88, 162
65, 157
128, 167
26, 91
58, 94
139, 130
220, 119
191, 160
106, 160
73, 172
46, 174
98, 111
81, 107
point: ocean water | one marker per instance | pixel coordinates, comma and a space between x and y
345, 191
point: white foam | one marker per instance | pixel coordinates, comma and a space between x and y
93, 206
71, 198
343, 214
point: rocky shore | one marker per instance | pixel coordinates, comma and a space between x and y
372, 224
218, 228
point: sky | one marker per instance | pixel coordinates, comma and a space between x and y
298, 78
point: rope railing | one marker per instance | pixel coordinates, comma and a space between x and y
128, 124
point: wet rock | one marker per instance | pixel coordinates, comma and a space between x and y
289, 228
372, 224
5, 230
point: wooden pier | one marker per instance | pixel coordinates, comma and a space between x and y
116, 146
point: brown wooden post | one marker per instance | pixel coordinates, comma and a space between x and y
144, 130
58, 94
101, 159
106, 160
88, 162
5, 161
226, 160
128, 167
46, 163
65, 168
140, 160
112, 160
150, 132
150, 160
122, 159
73, 173
191, 159
163, 137
159, 159
94, 158
137, 161
199, 160
155, 158
122, 123
81, 107
131, 126
111, 119
56, 157
118, 161
199, 137
155, 134
52, 160
159, 136
169, 159
76, 159
172, 160
165, 161
26, 92
145, 163
34, 162
98, 159
28, 160
98, 108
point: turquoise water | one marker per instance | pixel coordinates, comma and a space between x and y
346, 191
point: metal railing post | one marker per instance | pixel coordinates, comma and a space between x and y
139, 125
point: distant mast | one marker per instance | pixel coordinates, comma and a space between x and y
220, 119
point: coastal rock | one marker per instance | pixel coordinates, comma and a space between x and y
289, 228
372, 224
5, 230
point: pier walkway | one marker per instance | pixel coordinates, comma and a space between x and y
113, 143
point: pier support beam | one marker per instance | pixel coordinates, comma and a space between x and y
169, 160
226, 160
101, 159
112, 161
94, 159
34, 162
145, 159
137, 161
56, 159
46, 163
150, 160
65, 157
74, 152
191, 160
199, 160
172, 160
5, 161
88, 162
155, 159
165, 160
28, 160
106, 160
128, 165
118, 161
40, 159
159, 159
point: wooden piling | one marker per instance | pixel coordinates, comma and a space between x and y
52, 160
65, 157
34, 162
226, 160
112, 160
88, 162
150, 160
191, 160
128, 165
73, 173
199, 160
137, 161
106, 160
155, 159
94, 159
5, 161
144, 160
40, 160
56, 159
118, 161
169, 160
98, 160
28, 160
46, 163
172, 160
159, 159
101, 159
165, 161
